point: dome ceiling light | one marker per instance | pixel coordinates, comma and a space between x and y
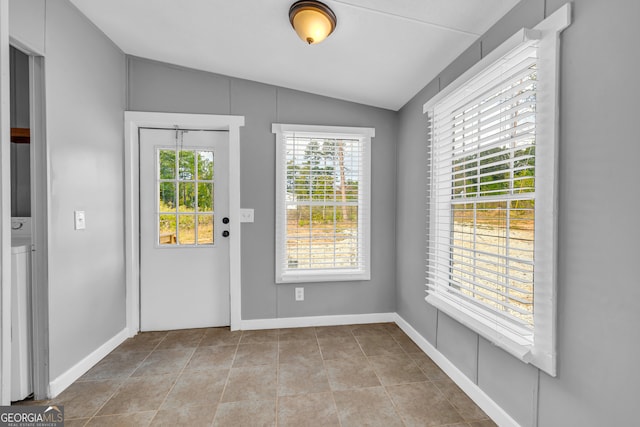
312, 20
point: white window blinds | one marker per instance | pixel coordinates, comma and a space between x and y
484, 176
322, 206
491, 213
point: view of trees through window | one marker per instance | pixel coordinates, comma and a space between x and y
185, 197
323, 177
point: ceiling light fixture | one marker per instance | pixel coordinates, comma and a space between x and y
312, 20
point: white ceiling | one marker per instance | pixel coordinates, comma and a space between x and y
381, 53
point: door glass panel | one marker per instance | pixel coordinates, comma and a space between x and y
187, 197
167, 164
185, 192
167, 234
205, 229
186, 229
186, 165
205, 165
205, 197
167, 202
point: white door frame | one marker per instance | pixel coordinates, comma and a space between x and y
138, 119
5, 210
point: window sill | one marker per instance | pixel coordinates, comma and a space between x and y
323, 276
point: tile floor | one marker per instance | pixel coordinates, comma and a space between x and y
357, 375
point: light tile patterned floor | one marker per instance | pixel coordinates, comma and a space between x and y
371, 375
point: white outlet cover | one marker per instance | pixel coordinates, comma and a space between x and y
246, 215
79, 220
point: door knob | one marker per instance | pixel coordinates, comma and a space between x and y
225, 233
225, 220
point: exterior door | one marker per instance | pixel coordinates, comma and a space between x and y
184, 250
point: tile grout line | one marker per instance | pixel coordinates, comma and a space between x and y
324, 365
226, 382
179, 375
434, 383
277, 377
384, 387
124, 380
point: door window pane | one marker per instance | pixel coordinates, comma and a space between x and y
205, 165
187, 197
167, 164
186, 229
186, 165
205, 229
167, 234
167, 202
205, 197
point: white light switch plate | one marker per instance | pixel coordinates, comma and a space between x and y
79, 221
246, 215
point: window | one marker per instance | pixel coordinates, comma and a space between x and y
491, 256
322, 203
185, 181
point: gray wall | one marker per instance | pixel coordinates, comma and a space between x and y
154, 86
85, 97
598, 292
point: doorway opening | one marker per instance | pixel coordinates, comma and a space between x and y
229, 154
29, 339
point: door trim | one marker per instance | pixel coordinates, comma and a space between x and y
5, 211
137, 119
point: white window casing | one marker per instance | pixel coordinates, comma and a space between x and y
322, 174
492, 210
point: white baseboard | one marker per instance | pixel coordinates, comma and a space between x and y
303, 322
491, 408
63, 381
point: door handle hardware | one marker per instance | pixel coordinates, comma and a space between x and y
225, 233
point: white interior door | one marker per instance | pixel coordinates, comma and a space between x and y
184, 245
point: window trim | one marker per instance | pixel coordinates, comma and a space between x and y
364, 134
542, 351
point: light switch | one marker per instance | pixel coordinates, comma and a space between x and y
246, 215
79, 220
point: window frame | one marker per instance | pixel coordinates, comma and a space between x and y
176, 180
540, 348
364, 135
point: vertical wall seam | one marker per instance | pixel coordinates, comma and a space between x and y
438, 311
437, 327
230, 104
275, 173
127, 85
276, 102
44, 42
477, 367
535, 400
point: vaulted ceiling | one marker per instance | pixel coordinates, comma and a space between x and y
381, 53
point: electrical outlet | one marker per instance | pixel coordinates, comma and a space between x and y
299, 294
